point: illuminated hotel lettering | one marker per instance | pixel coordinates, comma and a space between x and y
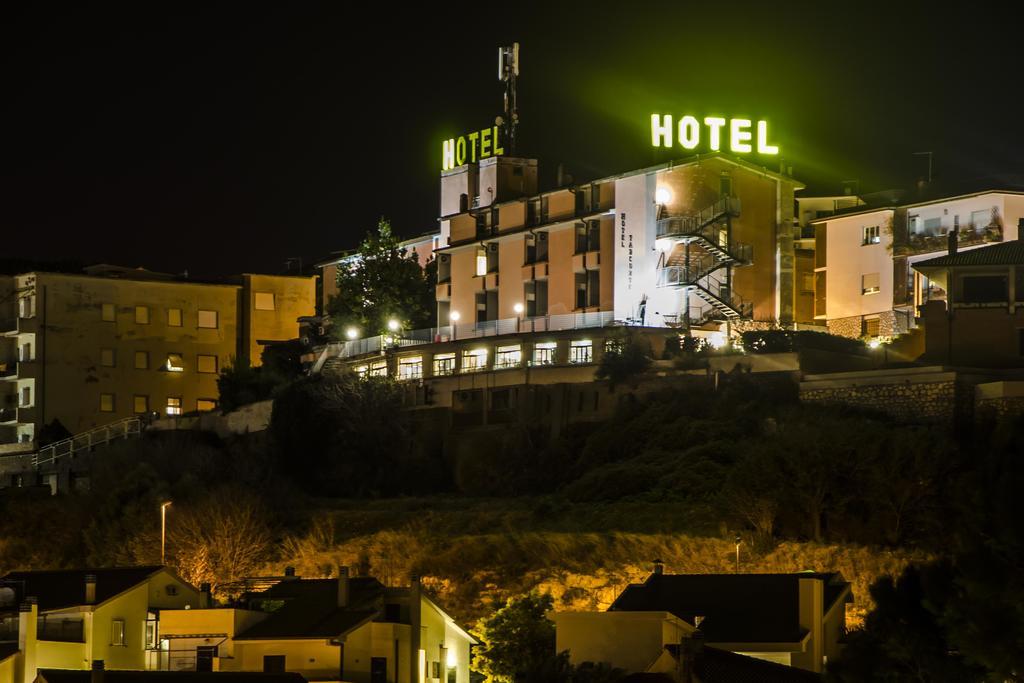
480, 145
625, 240
740, 133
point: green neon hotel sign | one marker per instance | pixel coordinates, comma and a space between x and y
471, 148
690, 132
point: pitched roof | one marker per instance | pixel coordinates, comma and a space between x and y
310, 608
69, 676
721, 666
7, 649
61, 588
736, 608
1002, 254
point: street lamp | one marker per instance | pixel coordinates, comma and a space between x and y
163, 531
393, 325
351, 333
454, 317
518, 308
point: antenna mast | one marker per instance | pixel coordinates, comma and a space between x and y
508, 73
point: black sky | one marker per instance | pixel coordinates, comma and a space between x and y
226, 140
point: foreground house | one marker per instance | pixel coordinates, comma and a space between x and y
795, 620
74, 619
101, 676
341, 629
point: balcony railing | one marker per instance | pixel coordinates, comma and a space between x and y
61, 630
695, 225
8, 369
490, 328
8, 414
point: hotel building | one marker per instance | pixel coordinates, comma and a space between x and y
865, 282
90, 349
533, 287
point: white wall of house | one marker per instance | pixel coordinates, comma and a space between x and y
849, 260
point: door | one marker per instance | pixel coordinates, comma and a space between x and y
378, 670
204, 657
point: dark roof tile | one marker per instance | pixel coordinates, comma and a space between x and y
61, 588
1002, 254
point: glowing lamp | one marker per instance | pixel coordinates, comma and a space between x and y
351, 333
518, 308
454, 315
663, 195
393, 325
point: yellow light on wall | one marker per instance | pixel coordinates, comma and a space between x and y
451, 659
663, 195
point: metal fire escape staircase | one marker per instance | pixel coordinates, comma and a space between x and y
702, 258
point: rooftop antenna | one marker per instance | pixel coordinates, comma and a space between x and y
929, 155
508, 73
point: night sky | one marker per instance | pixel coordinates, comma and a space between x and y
226, 141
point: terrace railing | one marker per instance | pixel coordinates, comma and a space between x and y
122, 429
490, 328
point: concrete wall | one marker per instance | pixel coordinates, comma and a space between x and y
631, 641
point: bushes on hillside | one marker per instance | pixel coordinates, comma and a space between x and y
342, 435
782, 341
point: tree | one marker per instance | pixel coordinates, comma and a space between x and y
383, 282
628, 357
517, 643
220, 539
241, 384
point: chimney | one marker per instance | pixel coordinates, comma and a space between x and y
952, 240
90, 589
205, 601
96, 675
28, 625
343, 587
659, 567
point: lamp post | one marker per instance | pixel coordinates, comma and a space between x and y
454, 317
163, 531
518, 308
738, 541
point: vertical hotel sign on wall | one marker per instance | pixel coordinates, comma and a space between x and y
471, 148
635, 275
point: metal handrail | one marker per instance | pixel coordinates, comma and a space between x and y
693, 225
490, 328
122, 429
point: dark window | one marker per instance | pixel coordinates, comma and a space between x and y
980, 289
871, 327
273, 664
725, 186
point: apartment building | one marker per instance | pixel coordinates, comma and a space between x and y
865, 280
89, 349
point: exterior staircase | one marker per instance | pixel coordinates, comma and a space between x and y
702, 259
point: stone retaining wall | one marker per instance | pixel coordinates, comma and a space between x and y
905, 401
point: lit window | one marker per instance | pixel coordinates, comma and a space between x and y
141, 360
175, 363
205, 405
141, 404
410, 367
872, 235
379, 369
481, 262
361, 370
106, 403
869, 283
117, 632
474, 360
208, 319
581, 351
544, 353
444, 364
613, 346
264, 301
142, 315
508, 356
206, 364
108, 358
174, 405
109, 313
174, 317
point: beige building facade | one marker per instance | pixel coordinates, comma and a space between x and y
88, 350
865, 280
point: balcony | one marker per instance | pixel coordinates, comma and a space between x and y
61, 630
935, 242
8, 416
8, 370
8, 325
